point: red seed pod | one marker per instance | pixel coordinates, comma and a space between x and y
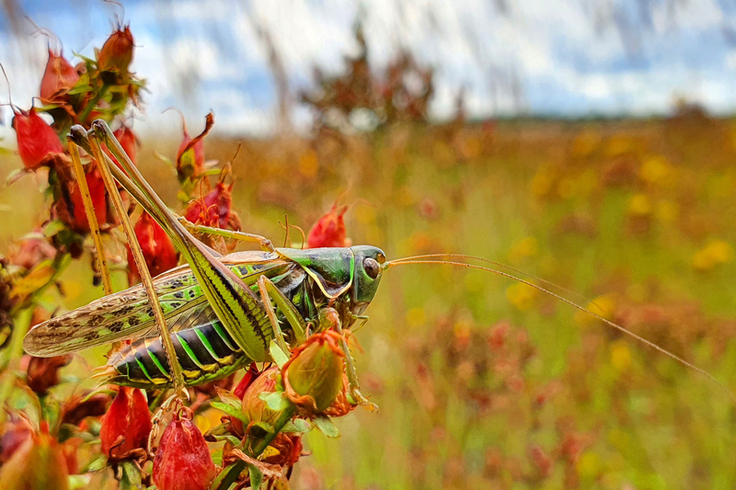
329, 231
37, 141
43, 372
183, 460
157, 248
117, 52
58, 78
126, 425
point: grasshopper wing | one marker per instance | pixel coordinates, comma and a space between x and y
120, 316
127, 314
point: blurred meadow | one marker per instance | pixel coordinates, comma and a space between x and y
483, 382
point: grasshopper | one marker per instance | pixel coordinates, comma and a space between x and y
205, 320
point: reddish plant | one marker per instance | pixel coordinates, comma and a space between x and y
156, 246
58, 77
43, 372
38, 144
71, 210
37, 464
117, 52
126, 425
329, 230
183, 460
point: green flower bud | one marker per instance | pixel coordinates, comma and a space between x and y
313, 375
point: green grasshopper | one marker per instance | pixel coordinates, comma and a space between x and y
205, 320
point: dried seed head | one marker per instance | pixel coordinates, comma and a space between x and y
126, 425
183, 460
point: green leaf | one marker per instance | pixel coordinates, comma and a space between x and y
230, 410
297, 425
131, 479
229, 398
256, 477
326, 425
265, 427
275, 400
227, 476
53, 228
95, 465
278, 355
82, 89
79, 481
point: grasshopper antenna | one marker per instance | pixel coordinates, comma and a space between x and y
503, 266
678, 359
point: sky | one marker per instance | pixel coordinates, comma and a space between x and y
563, 58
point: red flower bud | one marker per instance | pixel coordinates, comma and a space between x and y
43, 372
117, 52
329, 231
37, 141
58, 77
37, 464
156, 246
183, 460
126, 425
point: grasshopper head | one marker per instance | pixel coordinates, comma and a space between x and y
368, 270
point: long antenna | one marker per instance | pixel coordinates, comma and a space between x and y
618, 327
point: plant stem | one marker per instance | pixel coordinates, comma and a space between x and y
287, 414
92, 104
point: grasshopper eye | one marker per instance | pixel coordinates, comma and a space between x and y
372, 268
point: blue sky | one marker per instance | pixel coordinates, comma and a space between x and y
199, 56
